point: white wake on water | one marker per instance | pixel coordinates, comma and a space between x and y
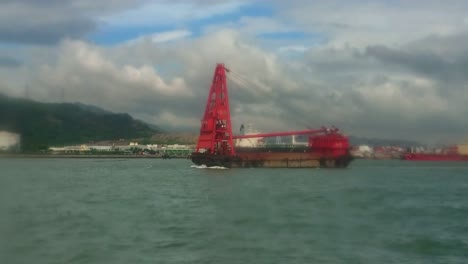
211, 168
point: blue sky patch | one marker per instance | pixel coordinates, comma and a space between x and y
284, 35
114, 34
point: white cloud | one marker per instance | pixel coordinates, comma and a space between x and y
169, 36
293, 48
263, 25
162, 37
361, 23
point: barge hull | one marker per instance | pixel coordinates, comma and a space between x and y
272, 160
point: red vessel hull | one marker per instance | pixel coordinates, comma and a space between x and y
434, 157
273, 160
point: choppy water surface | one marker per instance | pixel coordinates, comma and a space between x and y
165, 211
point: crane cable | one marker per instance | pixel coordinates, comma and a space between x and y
244, 82
239, 79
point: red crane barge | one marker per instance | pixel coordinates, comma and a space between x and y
326, 147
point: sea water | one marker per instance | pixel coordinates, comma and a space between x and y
167, 211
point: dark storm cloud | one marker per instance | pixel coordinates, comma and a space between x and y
9, 62
423, 62
36, 2
44, 32
49, 21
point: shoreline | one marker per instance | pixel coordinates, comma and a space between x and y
88, 156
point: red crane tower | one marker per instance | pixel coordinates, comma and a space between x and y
216, 130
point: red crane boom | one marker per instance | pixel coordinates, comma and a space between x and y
280, 134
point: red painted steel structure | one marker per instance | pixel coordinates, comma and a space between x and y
215, 143
216, 130
447, 154
329, 142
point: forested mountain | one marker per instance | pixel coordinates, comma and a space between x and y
45, 124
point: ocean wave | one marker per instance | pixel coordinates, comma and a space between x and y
203, 166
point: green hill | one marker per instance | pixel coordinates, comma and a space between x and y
46, 124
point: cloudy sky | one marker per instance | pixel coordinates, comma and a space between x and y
383, 68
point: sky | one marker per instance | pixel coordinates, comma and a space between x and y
382, 69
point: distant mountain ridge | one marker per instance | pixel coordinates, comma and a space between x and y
45, 124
